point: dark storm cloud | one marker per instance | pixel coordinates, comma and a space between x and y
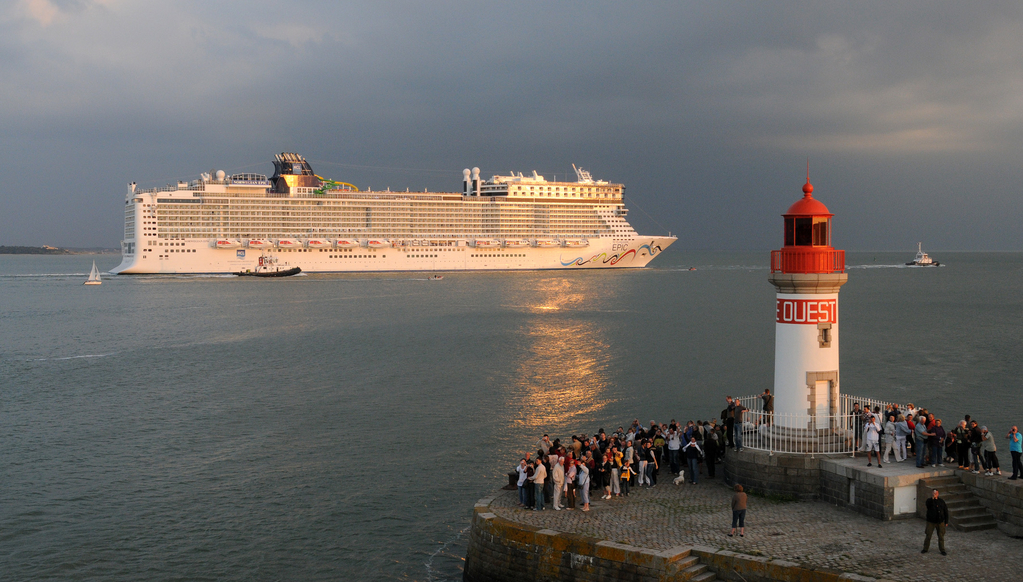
707, 112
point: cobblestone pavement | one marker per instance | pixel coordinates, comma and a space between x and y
813, 534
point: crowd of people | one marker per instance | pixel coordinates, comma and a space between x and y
565, 473
901, 432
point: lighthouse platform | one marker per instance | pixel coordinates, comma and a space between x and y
890, 492
886, 492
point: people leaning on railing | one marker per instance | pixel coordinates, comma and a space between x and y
625, 459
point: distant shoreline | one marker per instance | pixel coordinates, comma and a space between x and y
47, 250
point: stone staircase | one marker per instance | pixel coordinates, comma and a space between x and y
692, 570
965, 513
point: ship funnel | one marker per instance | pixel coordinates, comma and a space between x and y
465, 181
475, 181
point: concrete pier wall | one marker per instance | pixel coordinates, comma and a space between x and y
504, 551
787, 476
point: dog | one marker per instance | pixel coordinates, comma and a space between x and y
681, 479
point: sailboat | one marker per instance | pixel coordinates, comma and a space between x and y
94, 276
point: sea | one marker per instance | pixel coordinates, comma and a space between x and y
341, 427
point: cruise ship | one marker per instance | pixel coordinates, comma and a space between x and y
229, 224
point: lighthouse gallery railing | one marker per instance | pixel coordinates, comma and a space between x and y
808, 260
805, 434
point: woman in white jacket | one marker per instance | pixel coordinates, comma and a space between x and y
871, 438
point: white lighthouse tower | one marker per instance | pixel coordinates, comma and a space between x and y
807, 273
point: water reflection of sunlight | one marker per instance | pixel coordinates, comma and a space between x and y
563, 374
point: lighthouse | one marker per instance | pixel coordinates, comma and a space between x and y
807, 273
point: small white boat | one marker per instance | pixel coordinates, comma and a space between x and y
436, 277
378, 243
288, 243
257, 243
516, 243
226, 243
318, 243
922, 259
576, 242
547, 243
347, 243
93, 276
487, 243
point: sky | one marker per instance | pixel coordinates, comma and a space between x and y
909, 113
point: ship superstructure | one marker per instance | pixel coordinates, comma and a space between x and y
224, 224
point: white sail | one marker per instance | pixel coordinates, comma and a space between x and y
94, 276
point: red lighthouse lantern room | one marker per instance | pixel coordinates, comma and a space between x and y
808, 239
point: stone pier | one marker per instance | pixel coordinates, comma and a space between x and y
679, 532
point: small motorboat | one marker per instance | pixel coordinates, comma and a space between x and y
268, 267
922, 259
436, 277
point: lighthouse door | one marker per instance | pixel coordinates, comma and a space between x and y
822, 398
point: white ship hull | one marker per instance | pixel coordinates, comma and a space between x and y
199, 257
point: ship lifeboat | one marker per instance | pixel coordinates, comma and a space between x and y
317, 243
486, 243
547, 243
347, 243
576, 243
288, 243
257, 243
226, 243
516, 243
378, 243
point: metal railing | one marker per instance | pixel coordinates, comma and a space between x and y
808, 260
838, 432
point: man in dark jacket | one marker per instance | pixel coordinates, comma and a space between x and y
729, 418
768, 405
937, 519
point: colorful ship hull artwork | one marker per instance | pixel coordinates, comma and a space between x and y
652, 249
509, 222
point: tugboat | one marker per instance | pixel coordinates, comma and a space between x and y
268, 267
922, 260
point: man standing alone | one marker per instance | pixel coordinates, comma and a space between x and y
937, 519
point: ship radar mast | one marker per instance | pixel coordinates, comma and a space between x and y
582, 176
